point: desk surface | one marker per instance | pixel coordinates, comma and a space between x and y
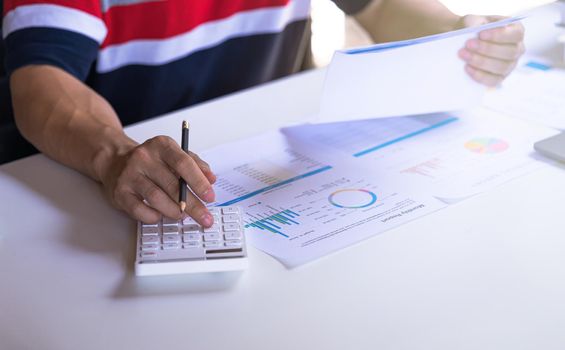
488, 273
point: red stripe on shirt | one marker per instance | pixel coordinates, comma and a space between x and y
165, 19
92, 7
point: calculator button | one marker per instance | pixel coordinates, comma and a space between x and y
189, 221
150, 239
189, 245
170, 222
148, 255
231, 227
149, 231
170, 230
213, 236
150, 225
214, 211
233, 243
191, 228
232, 235
214, 228
191, 237
212, 244
149, 247
171, 246
171, 239
229, 210
230, 218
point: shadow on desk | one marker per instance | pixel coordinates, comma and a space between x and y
548, 161
83, 223
150, 286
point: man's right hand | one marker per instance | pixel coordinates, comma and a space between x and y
74, 125
144, 181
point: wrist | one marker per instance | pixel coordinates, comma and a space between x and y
114, 145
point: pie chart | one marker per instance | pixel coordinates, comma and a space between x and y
486, 145
352, 198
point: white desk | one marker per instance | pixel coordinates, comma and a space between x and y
488, 273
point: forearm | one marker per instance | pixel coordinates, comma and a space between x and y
392, 20
66, 120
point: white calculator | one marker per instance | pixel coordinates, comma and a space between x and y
178, 247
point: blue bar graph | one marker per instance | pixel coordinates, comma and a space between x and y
275, 222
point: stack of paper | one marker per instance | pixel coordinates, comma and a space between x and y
314, 189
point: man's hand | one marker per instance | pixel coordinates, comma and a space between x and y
144, 181
490, 57
494, 54
72, 124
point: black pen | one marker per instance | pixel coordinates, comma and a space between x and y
182, 183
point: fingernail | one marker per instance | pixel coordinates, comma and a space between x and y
473, 44
207, 220
465, 54
208, 195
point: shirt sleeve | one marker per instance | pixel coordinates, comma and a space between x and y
351, 7
63, 33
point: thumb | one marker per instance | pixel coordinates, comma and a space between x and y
473, 21
496, 18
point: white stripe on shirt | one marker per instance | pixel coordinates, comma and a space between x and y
54, 16
206, 35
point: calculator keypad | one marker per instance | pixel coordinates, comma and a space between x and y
186, 239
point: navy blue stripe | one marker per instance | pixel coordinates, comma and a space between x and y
70, 51
139, 92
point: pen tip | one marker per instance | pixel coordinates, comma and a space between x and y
182, 206
185, 124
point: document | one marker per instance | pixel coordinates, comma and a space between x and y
300, 204
452, 155
534, 92
419, 76
307, 191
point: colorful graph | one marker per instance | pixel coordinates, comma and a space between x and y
274, 222
487, 145
427, 168
352, 198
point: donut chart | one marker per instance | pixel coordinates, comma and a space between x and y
352, 198
486, 145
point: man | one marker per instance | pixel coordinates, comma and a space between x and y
79, 69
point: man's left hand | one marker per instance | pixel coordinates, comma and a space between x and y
493, 55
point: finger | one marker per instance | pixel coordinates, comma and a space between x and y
501, 51
482, 77
196, 210
495, 18
137, 209
163, 177
156, 197
510, 34
205, 167
474, 21
186, 167
488, 64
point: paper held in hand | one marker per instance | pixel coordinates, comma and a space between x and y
418, 76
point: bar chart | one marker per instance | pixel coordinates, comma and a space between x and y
274, 223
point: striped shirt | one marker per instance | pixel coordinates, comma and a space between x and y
149, 57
